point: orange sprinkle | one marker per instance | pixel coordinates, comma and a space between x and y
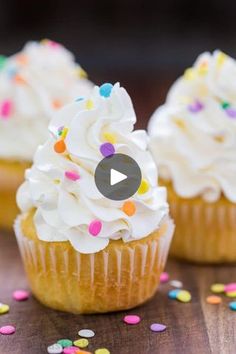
19, 79
56, 104
129, 208
213, 300
22, 59
60, 146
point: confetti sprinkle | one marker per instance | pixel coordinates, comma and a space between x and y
3, 61
55, 349
232, 305
86, 333
164, 278
184, 296
172, 294
231, 293
70, 350
4, 309
144, 187
213, 300
20, 295
7, 330
218, 288
107, 149
189, 74
109, 137
129, 208
176, 284
221, 57
95, 227
195, 107
225, 105
102, 351
6, 109
105, 90
82, 343
60, 146
65, 342
230, 287
57, 104
231, 112
73, 176
157, 327
89, 104
78, 351
132, 319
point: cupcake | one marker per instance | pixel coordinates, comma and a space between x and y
82, 252
193, 140
33, 83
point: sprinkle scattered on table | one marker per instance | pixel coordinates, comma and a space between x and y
7, 329
232, 305
65, 342
218, 288
184, 296
81, 343
176, 284
86, 333
132, 319
102, 351
20, 295
55, 349
70, 350
164, 278
157, 327
213, 299
4, 309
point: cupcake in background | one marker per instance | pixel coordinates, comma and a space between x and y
33, 84
193, 140
82, 252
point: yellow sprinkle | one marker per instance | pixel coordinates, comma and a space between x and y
89, 104
184, 296
217, 288
231, 294
144, 187
56, 181
109, 137
190, 74
44, 41
221, 57
180, 123
64, 133
4, 309
219, 138
102, 351
203, 68
81, 343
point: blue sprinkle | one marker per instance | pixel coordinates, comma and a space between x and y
232, 305
105, 90
12, 72
79, 99
172, 294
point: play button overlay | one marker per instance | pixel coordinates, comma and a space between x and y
118, 177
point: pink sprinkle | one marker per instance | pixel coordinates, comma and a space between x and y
53, 44
6, 109
132, 319
73, 176
70, 350
164, 278
21, 295
7, 330
230, 287
95, 227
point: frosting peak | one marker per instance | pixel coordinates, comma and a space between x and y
33, 84
193, 135
61, 185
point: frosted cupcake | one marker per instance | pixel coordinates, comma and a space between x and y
33, 84
193, 140
84, 253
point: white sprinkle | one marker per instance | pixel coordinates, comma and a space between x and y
55, 349
176, 284
86, 333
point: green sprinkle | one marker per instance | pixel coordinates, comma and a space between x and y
65, 343
3, 60
225, 105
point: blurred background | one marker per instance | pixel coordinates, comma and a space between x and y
143, 44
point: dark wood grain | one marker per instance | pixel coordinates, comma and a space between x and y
193, 328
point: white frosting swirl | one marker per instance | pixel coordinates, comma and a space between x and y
66, 208
33, 83
193, 135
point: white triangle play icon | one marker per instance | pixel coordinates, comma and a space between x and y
116, 177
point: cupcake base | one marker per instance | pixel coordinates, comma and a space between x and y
205, 232
11, 177
120, 277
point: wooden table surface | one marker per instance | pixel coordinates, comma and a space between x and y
196, 327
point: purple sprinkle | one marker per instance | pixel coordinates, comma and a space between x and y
157, 327
231, 112
195, 107
107, 149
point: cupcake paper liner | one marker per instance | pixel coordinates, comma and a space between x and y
120, 277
